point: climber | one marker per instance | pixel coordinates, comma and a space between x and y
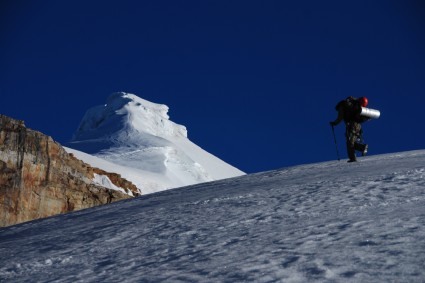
350, 110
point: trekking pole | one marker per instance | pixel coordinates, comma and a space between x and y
336, 145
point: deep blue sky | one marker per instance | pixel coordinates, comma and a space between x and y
255, 82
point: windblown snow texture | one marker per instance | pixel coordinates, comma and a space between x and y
138, 141
326, 222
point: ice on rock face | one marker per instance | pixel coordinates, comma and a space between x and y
138, 136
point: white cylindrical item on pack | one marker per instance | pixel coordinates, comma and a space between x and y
370, 113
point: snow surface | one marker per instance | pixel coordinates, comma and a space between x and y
144, 146
324, 222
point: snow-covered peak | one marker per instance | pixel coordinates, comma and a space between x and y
140, 142
125, 112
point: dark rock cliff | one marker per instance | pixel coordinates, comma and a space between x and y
38, 178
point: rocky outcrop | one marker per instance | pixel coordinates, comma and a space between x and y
38, 178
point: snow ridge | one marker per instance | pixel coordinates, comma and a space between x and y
325, 222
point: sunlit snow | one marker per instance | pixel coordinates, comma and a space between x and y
324, 222
139, 142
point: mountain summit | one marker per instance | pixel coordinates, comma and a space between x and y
134, 137
127, 119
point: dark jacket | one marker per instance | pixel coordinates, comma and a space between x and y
349, 110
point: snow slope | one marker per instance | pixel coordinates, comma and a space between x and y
143, 145
325, 222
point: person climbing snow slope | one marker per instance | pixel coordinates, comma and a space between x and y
350, 110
